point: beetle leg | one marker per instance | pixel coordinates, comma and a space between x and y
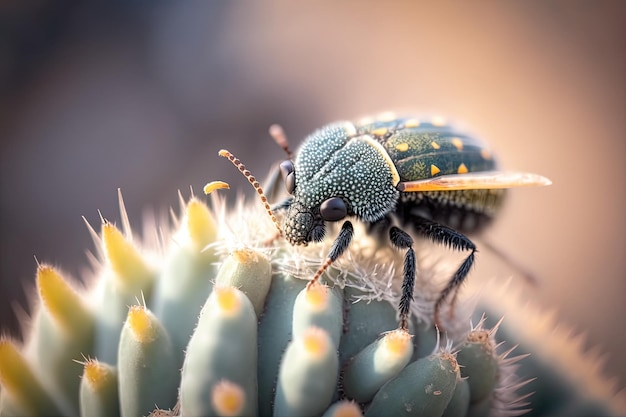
526, 273
274, 184
282, 206
339, 246
402, 240
447, 236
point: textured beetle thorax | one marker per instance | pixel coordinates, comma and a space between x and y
334, 162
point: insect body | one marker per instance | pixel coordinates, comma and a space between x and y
426, 175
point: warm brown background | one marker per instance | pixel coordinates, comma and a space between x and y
121, 96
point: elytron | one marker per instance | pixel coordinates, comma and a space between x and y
392, 173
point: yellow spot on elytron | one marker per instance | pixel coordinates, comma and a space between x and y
435, 145
462, 169
411, 123
402, 147
458, 144
438, 121
485, 154
381, 131
434, 170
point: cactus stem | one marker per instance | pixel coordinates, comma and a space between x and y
123, 257
317, 296
97, 374
245, 256
227, 300
228, 398
315, 342
264, 342
200, 223
141, 324
396, 342
344, 408
13, 367
64, 305
19, 382
450, 357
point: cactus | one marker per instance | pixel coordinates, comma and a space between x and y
219, 321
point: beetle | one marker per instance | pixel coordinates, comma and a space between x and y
392, 173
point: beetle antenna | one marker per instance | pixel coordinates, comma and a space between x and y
252, 180
278, 134
528, 275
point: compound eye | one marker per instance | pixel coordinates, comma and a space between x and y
286, 168
333, 209
289, 175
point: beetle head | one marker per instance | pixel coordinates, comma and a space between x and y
336, 174
304, 224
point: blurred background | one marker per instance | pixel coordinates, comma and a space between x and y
96, 97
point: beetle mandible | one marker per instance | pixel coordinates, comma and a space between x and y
423, 173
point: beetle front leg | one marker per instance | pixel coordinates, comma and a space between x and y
339, 247
282, 206
402, 240
447, 236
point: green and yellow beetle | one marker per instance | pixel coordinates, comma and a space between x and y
421, 173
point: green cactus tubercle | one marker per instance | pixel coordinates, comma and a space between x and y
217, 321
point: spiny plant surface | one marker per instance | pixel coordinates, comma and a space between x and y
210, 315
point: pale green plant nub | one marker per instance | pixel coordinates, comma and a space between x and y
99, 390
216, 319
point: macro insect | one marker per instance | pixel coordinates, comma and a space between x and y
392, 173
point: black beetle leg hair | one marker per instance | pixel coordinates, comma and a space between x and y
455, 240
340, 245
402, 240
